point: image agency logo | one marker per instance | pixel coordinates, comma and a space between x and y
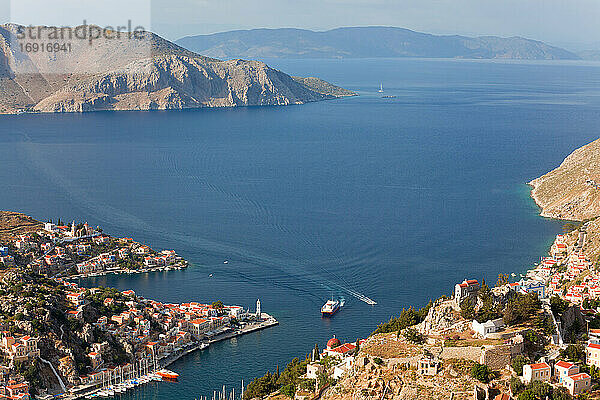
84, 32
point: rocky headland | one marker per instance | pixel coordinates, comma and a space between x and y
571, 191
149, 73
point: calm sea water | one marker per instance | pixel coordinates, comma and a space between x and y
396, 199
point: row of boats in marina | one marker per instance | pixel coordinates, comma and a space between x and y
143, 373
118, 388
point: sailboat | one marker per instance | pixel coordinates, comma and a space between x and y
381, 88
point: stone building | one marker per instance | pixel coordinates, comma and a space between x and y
467, 289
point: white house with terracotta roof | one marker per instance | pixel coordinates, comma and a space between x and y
468, 288
562, 369
594, 336
95, 358
20, 349
16, 391
76, 298
578, 383
536, 372
198, 327
592, 352
344, 350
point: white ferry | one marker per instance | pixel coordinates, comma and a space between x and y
330, 308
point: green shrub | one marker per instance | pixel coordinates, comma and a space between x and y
481, 372
518, 362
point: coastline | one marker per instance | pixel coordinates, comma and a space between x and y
184, 265
543, 212
130, 339
268, 322
187, 108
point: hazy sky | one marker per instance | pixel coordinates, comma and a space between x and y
567, 22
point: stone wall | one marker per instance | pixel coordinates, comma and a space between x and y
469, 353
498, 357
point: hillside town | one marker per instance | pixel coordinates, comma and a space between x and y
80, 250
537, 337
60, 339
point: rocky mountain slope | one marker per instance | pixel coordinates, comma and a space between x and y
366, 42
571, 191
13, 224
141, 74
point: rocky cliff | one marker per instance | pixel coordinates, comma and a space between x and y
571, 191
142, 74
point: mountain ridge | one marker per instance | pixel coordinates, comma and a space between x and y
365, 42
145, 74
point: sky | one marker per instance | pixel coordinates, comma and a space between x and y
569, 23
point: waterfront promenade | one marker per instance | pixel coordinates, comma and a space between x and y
267, 321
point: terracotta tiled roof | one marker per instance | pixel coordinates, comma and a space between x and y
564, 364
539, 366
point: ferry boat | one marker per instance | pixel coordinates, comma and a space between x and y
330, 308
167, 375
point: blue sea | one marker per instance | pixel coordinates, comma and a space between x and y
396, 199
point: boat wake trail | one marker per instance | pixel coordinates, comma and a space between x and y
297, 273
263, 215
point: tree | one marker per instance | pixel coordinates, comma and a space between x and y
488, 310
503, 279
467, 309
526, 395
541, 390
558, 305
413, 336
217, 305
292, 372
408, 317
518, 362
521, 307
516, 385
481, 372
289, 390
322, 379
544, 324
261, 387
574, 353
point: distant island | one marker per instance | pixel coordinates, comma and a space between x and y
366, 42
146, 72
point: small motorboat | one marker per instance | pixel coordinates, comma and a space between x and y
167, 375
